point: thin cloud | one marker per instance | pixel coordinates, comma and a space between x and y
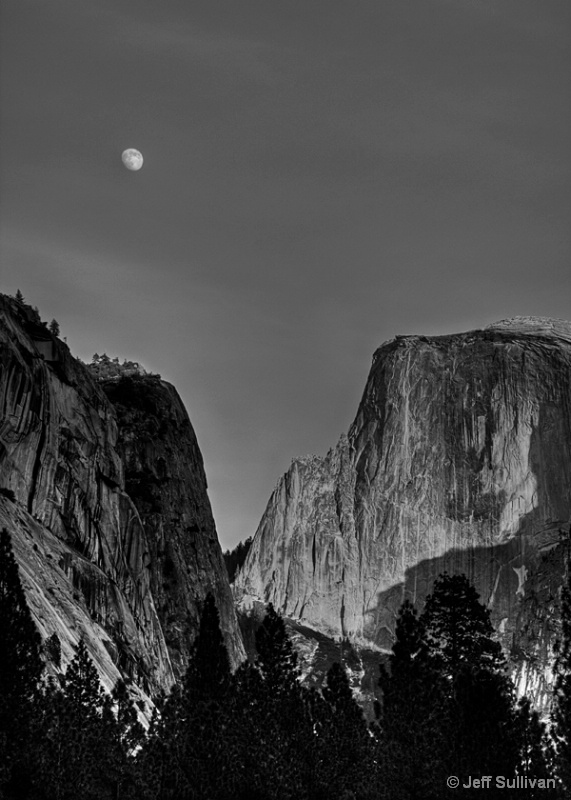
250, 59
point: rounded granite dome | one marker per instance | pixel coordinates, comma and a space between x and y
544, 326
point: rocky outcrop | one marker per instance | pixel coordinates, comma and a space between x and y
459, 459
86, 556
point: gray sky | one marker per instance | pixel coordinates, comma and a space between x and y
319, 176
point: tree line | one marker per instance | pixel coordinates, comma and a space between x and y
448, 711
234, 559
35, 314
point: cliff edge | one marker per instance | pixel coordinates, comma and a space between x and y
92, 565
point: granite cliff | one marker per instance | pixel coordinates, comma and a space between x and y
110, 522
165, 479
459, 459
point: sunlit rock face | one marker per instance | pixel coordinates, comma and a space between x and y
71, 596
459, 459
90, 563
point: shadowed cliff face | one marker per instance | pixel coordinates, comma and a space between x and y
88, 562
165, 478
460, 459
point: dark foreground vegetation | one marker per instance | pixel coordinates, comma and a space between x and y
448, 709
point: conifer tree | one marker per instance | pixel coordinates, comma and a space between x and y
20, 644
480, 697
534, 748
271, 745
234, 559
285, 710
121, 736
19, 297
411, 717
257, 749
82, 686
157, 762
346, 751
207, 729
457, 627
190, 750
21, 668
208, 673
561, 706
54, 327
72, 754
277, 660
52, 648
130, 731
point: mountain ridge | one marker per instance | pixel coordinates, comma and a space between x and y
459, 459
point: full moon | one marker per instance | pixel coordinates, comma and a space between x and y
132, 158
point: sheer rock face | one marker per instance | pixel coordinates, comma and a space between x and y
459, 459
87, 559
164, 476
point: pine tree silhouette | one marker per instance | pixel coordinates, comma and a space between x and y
411, 717
121, 736
277, 660
284, 709
21, 668
480, 697
190, 752
21, 665
208, 673
234, 559
255, 749
346, 749
207, 731
73, 750
561, 706
534, 748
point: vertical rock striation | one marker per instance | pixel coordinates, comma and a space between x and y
459, 459
91, 566
165, 478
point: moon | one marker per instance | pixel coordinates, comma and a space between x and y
132, 158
